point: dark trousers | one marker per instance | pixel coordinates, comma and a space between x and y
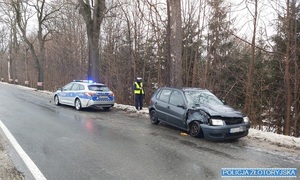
138, 101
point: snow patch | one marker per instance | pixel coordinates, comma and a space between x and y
277, 139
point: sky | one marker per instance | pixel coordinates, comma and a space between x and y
243, 11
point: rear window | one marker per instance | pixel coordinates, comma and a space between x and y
98, 88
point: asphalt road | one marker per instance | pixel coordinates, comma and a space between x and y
93, 144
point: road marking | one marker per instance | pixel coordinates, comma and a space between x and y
29, 163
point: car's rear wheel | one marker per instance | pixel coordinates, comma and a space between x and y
195, 129
153, 117
77, 104
56, 100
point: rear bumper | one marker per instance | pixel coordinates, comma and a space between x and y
225, 132
92, 103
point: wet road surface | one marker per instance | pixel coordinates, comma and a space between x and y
94, 144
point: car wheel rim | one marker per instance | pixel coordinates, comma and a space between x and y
194, 129
77, 104
56, 100
153, 116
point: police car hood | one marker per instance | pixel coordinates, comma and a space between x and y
219, 110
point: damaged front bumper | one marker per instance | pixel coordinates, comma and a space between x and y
225, 132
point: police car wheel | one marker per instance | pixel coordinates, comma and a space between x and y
56, 100
77, 104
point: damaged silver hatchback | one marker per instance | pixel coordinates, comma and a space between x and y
199, 112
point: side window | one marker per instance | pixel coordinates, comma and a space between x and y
68, 87
176, 98
75, 87
158, 94
81, 87
165, 95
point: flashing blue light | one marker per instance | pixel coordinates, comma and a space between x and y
90, 81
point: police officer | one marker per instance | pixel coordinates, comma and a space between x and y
139, 93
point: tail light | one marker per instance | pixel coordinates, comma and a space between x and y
111, 94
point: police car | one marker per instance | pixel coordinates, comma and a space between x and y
85, 94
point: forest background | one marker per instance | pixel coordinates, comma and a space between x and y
247, 52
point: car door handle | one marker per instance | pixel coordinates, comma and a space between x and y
168, 107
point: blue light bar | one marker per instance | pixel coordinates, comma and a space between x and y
88, 81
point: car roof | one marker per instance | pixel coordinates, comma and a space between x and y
185, 88
85, 82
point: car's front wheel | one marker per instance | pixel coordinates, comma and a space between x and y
153, 117
56, 100
195, 129
77, 104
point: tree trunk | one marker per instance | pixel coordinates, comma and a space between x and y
248, 107
175, 43
295, 53
93, 15
93, 59
287, 120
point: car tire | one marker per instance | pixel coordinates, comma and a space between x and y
153, 117
106, 108
195, 129
78, 104
56, 100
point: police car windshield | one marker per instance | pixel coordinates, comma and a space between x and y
98, 88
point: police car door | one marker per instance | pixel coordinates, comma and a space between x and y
65, 93
72, 94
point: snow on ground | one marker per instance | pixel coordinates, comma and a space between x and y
278, 139
273, 138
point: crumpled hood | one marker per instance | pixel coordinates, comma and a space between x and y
220, 110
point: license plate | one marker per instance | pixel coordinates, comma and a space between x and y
103, 97
237, 129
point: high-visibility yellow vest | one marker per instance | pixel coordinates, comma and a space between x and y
139, 91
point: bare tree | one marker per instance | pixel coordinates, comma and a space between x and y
93, 13
248, 107
175, 43
9, 20
3, 50
44, 12
67, 48
287, 76
296, 81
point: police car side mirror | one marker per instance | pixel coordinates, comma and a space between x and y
60, 89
